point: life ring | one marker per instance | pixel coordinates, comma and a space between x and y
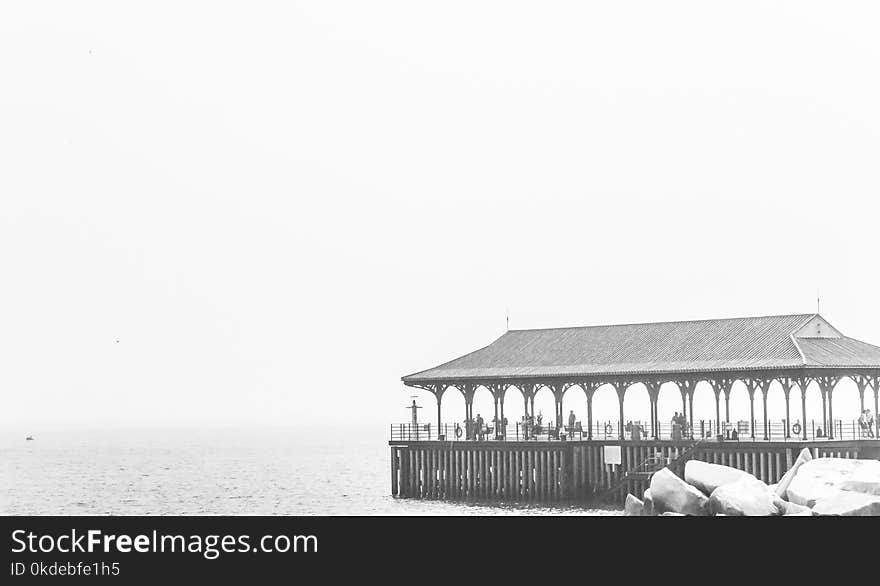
609, 429
457, 430
796, 428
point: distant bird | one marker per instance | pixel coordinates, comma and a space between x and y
29, 438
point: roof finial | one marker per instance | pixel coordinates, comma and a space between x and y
817, 301
507, 317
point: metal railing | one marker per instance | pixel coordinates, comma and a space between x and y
776, 431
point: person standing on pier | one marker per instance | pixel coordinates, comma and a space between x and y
479, 427
571, 421
869, 420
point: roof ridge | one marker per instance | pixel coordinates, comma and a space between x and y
679, 321
793, 338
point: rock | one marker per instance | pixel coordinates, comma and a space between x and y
648, 511
805, 513
671, 514
671, 493
825, 478
782, 485
786, 508
747, 497
858, 483
633, 507
849, 504
707, 477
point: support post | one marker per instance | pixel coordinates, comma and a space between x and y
764, 390
439, 394
802, 384
620, 387
717, 411
590, 413
690, 418
727, 405
830, 412
654, 394
876, 411
752, 412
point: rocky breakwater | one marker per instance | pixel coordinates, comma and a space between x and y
812, 486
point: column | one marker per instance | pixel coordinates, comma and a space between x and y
786, 387
764, 390
717, 411
621, 391
501, 422
439, 395
830, 410
590, 413
876, 414
803, 386
557, 396
653, 419
752, 411
690, 418
824, 409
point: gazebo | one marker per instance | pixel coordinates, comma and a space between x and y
795, 350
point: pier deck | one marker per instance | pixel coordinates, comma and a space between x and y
580, 471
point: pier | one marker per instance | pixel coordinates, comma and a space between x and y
599, 460
578, 471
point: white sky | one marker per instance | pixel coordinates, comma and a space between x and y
278, 209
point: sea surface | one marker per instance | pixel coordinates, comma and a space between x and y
231, 471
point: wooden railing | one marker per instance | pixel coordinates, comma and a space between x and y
776, 431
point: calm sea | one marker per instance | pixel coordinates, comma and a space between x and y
216, 472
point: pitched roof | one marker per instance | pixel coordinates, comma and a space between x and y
747, 343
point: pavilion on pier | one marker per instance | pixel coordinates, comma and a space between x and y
795, 350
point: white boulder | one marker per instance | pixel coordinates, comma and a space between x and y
825, 478
747, 497
849, 504
633, 507
707, 477
648, 510
787, 508
782, 485
671, 493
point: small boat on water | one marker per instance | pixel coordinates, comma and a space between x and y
29, 438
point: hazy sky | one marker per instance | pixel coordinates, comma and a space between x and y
269, 212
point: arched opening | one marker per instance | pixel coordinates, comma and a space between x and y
847, 408
739, 410
484, 405
775, 411
668, 405
545, 406
637, 408
606, 413
703, 418
575, 401
451, 408
814, 424
514, 410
